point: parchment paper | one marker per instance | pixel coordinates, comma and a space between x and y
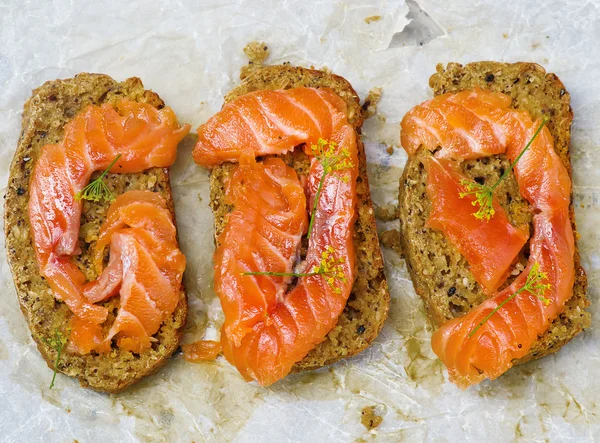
190, 53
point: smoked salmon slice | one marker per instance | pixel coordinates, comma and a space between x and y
508, 335
486, 341
268, 122
268, 326
489, 261
462, 125
263, 233
145, 265
204, 350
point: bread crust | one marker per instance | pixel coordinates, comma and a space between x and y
367, 307
50, 107
428, 254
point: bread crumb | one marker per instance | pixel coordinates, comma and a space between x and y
372, 18
390, 150
257, 53
386, 213
370, 104
391, 240
369, 418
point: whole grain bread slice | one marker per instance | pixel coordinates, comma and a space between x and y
45, 114
367, 306
440, 274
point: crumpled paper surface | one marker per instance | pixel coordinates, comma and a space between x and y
191, 53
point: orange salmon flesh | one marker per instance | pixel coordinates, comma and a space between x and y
475, 124
145, 267
269, 327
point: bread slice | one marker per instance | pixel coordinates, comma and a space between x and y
440, 274
367, 307
45, 114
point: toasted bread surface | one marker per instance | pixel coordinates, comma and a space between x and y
440, 274
367, 306
45, 114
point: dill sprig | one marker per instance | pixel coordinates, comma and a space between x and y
332, 160
330, 266
484, 195
533, 285
98, 190
57, 342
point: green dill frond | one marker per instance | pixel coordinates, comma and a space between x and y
533, 284
57, 342
484, 198
330, 267
98, 190
484, 195
332, 160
